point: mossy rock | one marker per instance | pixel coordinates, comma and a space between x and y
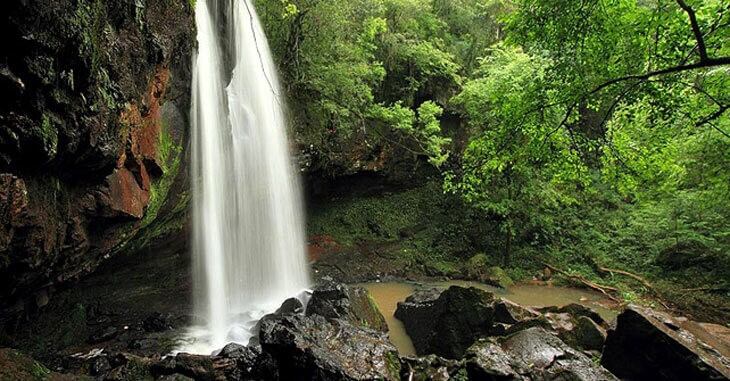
477, 266
496, 276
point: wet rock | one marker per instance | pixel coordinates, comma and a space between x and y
486, 360
643, 347
233, 350
338, 301
430, 368
315, 348
549, 357
251, 362
290, 306
446, 324
532, 354
577, 325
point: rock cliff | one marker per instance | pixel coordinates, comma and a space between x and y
92, 130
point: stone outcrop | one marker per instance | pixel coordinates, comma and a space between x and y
647, 344
91, 136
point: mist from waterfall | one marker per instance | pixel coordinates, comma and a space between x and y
248, 228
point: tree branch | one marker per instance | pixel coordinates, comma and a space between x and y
695, 29
709, 62
708, 119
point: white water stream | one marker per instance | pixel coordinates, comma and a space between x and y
248, 228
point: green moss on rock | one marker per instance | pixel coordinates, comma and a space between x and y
49, 136
499, 277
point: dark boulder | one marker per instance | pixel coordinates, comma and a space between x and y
446, 324
333, 300
648, 344
315, 348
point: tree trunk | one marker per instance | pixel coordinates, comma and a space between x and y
507, 250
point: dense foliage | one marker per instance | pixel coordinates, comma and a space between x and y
591, 134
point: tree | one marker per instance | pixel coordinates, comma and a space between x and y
508, 169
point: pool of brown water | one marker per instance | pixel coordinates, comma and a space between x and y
387, 295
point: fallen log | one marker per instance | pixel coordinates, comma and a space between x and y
605, 290
628, 274
638, 278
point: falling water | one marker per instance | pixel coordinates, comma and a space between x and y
248, 238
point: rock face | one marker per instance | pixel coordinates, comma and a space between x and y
446, 323
91, 132
651, 345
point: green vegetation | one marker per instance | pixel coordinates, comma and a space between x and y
591, 135
49, 135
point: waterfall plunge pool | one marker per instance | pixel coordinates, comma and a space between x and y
387, 295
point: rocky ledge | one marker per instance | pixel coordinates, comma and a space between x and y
460, 334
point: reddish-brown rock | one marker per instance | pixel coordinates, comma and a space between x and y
125, 197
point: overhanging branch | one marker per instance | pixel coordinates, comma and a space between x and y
701, 48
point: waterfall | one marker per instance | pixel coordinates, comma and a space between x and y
248, 230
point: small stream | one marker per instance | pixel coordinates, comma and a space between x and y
387, 295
